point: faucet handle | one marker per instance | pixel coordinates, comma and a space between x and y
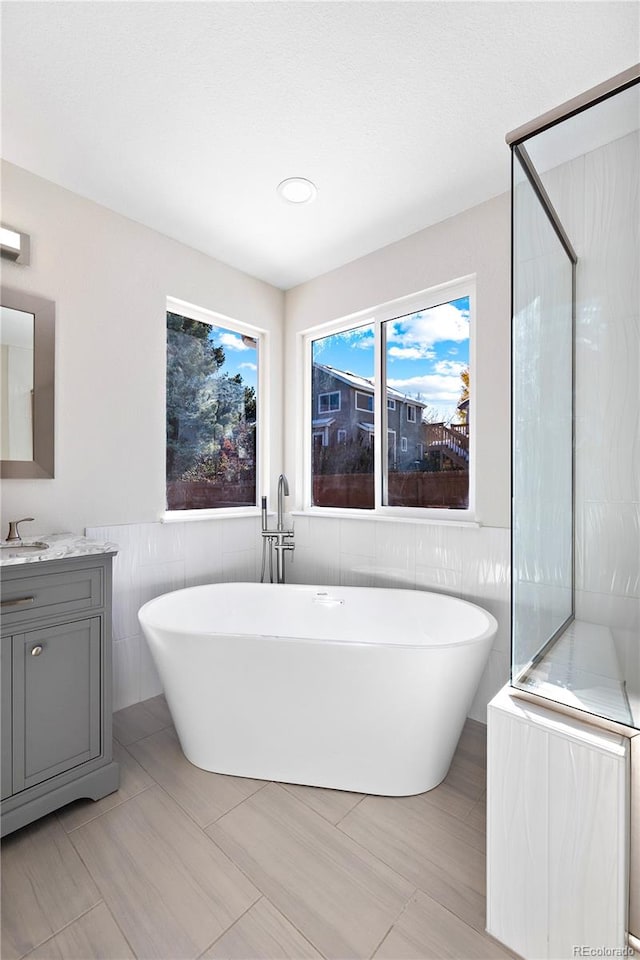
14, 533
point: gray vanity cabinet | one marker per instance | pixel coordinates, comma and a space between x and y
56, 686
56, 700
6, 707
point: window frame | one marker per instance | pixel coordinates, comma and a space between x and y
367, 409
263, 418
377, 316
330, 409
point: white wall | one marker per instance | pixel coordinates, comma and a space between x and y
474, 242
465, 561
109, 278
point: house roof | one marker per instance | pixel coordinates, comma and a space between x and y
366, 385
323, 421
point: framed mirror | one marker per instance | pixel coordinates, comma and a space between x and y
27, 367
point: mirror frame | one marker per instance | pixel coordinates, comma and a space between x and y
44, 312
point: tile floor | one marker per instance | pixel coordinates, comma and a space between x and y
180, 863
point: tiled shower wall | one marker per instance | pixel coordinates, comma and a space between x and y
154, 558
597, 199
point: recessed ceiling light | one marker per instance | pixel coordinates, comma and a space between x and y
297, 190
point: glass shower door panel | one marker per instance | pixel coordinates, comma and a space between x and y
542, 568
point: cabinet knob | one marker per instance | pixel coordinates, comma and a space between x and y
36, 651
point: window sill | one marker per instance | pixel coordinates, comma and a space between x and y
456, 518
221, 513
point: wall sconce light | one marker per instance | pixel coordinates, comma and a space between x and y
14, 245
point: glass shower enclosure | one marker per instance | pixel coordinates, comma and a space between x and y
576, 403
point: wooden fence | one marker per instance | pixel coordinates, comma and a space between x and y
415, 489
200, 494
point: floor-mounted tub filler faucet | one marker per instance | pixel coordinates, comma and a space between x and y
278, 539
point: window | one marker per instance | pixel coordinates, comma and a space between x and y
420, 346
328, 402
211, 411
364, 402
342, 436
391, 448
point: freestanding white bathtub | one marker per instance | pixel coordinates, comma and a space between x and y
353, 688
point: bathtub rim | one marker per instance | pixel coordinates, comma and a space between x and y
488, 633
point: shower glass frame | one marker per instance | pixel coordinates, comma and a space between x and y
517, 140
520, 160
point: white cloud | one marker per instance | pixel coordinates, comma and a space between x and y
422, 330
434, 389
450, 367
411, 353
233, 342
247, 366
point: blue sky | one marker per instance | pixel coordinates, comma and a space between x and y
426, 353
239, 356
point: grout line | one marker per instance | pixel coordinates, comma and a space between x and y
285, 786
48, 939
398, 917
235, 805
102, 813
253, 882
295, 927
354, 807
124, 936
398, 871
230, 927
478, 933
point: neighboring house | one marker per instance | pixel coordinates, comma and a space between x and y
343, 413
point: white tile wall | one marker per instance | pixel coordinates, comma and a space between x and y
557, 832
598, 199
155, 558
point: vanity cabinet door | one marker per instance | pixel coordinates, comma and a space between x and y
56, 700
5, 718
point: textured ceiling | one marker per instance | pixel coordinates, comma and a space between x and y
186, 115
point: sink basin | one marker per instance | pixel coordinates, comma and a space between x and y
37, 546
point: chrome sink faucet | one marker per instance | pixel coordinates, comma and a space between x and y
14, 533
279, 539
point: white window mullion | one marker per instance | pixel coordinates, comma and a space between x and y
379, 416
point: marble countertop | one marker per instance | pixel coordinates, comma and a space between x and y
60, 546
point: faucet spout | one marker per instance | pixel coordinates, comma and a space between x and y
283, 491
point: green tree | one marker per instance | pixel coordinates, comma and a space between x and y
464, 395
192, 409
210, 415
250, 404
